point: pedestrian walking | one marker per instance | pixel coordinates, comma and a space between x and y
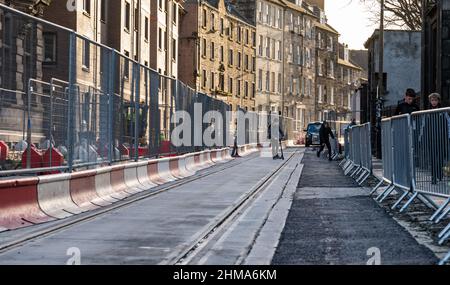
325, 133
276, 135
235, 152
408, 105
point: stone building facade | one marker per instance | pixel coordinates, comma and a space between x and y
21, 58
218, 44
326, 65
299, 67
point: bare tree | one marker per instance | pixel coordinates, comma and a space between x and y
405, 14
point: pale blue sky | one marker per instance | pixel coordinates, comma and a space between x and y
352, 20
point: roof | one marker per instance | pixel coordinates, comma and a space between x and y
327, 27
231, 10
376, 31
297, 8
348, 64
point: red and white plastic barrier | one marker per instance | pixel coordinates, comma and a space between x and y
54, 196
24, 202
164, 170
19, 206
83, 191
104, 188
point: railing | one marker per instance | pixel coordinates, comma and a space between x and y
87, 104
416, 160
358, 163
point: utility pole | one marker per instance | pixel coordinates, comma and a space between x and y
380, 95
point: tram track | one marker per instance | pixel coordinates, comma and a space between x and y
82, 218
188, 253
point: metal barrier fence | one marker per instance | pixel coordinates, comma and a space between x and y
358, 164
69, 102
416, 160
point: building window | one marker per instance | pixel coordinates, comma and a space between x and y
279, 24
239, 58
279, 50
268, 48
246, 62
175, 13
87, 6
260, 80
160, 39
204, 19
253, 90
260, 48
221, 54
230, 57
231, 30
103, 11
273, 82
238, 87
213, 27
222, 82
204, 79
213, 51
212, 81
50, 45
161, 5
204, 48
254, 64
221, 26
246, 89
268, 81
86, 54
239, 34
279, 83
174, 50
259, 11
320, 93
127, 16
230, 85
126, 66
332, 96
146, 29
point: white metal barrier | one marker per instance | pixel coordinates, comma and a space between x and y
359, 161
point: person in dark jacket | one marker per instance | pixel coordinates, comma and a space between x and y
325, 133
408, 106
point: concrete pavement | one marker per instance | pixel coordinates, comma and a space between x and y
153, 230
333, 221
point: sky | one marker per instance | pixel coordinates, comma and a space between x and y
351, 19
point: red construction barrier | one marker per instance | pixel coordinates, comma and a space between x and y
175, 168
36, 158
57, 159
124, 150
4, 150
19, 204
118, 179
82, 190
152, 170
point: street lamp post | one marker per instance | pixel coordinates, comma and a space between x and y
380, 94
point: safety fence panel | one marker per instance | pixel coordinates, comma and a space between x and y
68, 102
365, 148
431, 143
401, 127
347, 143
387, 150
356, 145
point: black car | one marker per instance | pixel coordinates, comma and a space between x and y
312, 134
